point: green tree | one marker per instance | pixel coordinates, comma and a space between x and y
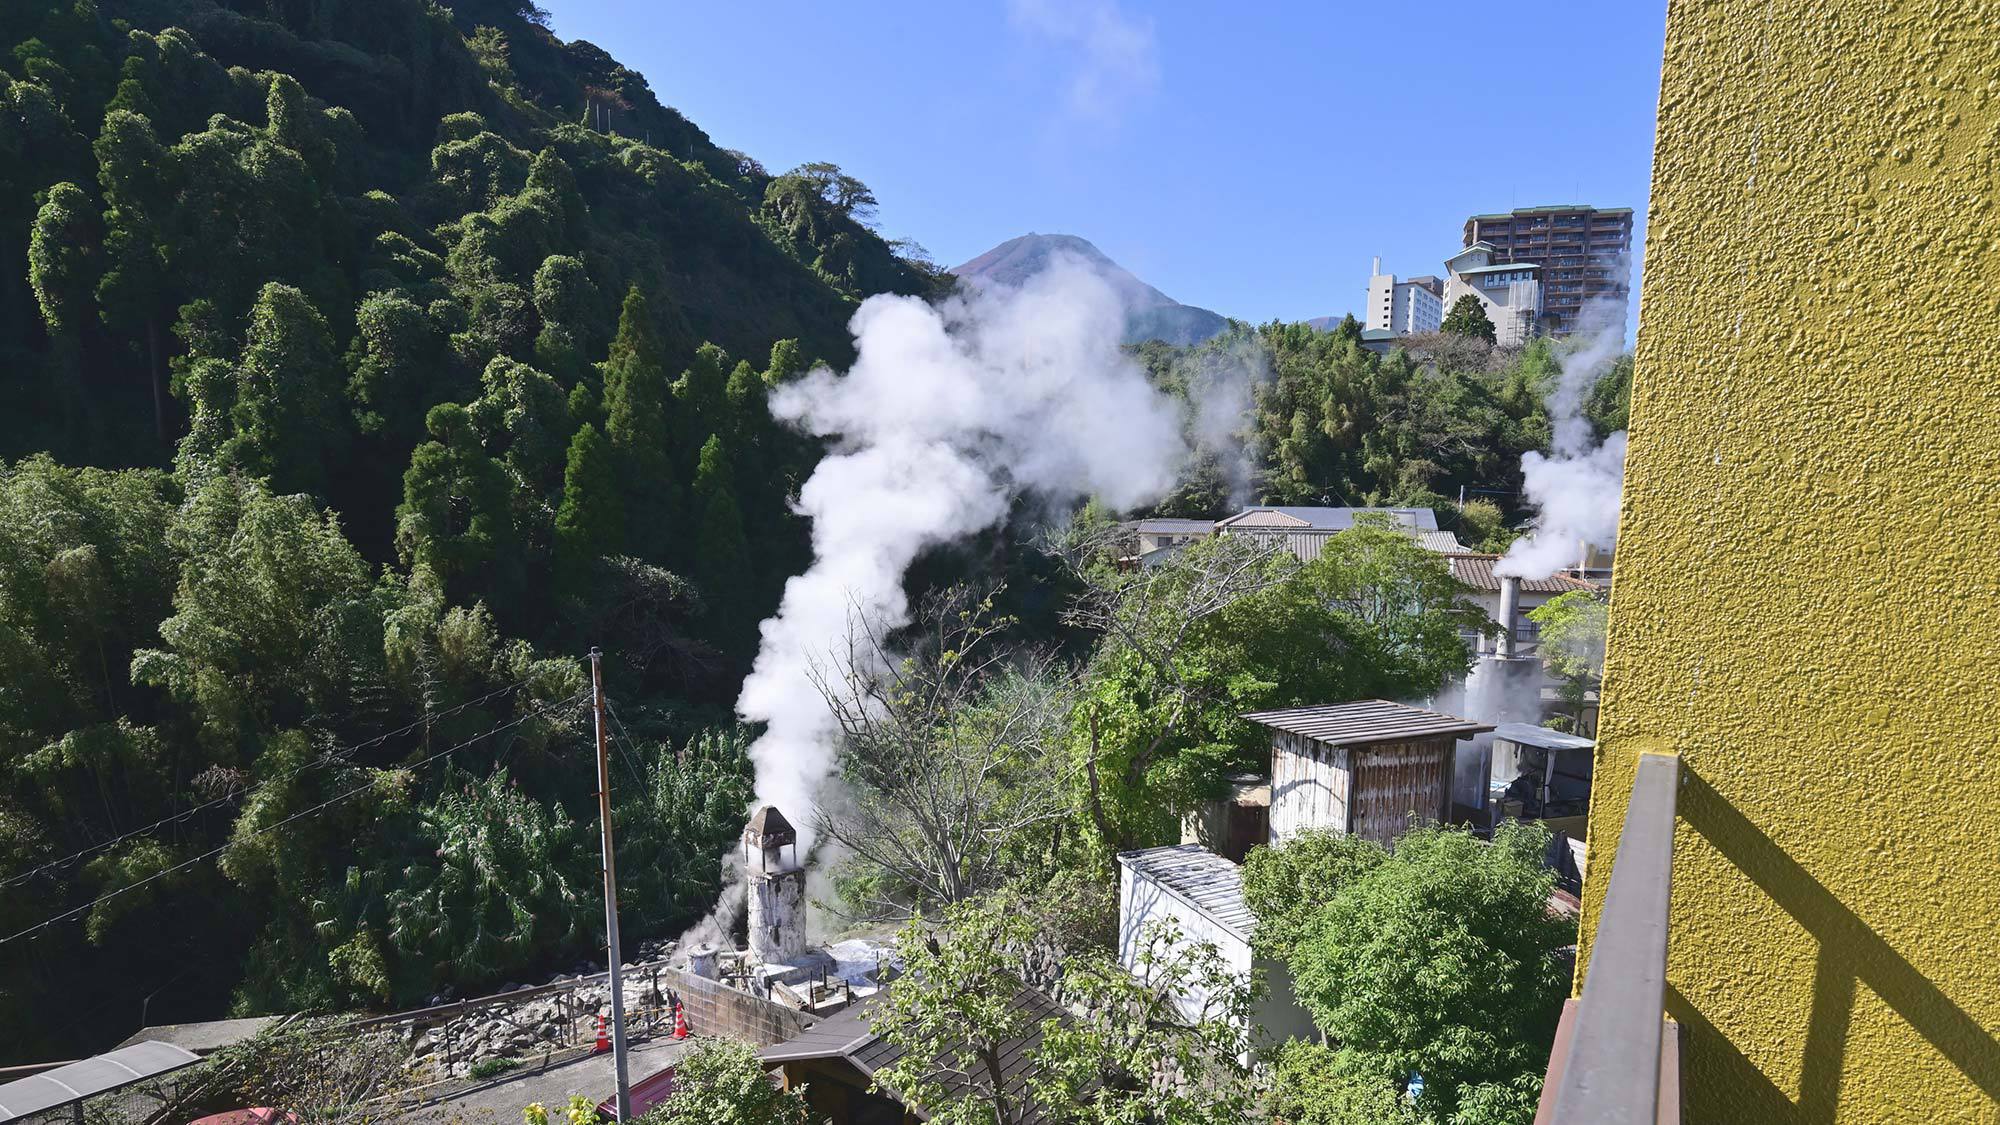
524, 420
285, 420
723, 567
720, 1082
567, 302
1287, 886
591, 521
675, 826
455, 519
511, 883
953, 1012
395, 359
1468, 318
1443, 960
59, 249
1482, 527
1572, 628
636, 396
1310, 1086
1132, 1054
134, 291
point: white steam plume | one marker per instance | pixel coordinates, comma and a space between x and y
1222, 394
1574, 488
946, 415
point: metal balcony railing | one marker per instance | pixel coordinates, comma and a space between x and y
1616, 1059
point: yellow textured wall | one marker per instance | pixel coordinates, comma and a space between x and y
1807, 598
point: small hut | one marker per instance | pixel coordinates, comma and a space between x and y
1367, 768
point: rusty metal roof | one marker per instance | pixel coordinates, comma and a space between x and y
1366, 721
1476, 571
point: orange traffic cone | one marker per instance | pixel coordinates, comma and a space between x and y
680, 1021
603, 1037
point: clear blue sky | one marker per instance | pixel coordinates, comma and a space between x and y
1249, 158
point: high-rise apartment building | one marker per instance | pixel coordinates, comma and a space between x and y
1585, 253
1405, 306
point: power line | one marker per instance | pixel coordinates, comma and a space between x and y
335, 755
626, 745
301, 814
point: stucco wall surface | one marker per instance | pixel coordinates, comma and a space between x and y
1808, 580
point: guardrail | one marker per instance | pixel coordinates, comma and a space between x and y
1614, 1061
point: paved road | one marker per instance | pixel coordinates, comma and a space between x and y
590, 1076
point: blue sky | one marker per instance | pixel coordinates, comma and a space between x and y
1249, 158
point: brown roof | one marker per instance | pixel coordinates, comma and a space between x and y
1366, 721
1476, 571
847, 1036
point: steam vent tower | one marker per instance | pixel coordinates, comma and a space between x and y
777, 888
1795, 821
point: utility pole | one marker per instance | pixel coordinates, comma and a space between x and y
624, 1101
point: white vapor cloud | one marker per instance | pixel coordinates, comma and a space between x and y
1117, 56
1575, 486
947, 415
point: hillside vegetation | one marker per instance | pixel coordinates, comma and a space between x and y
365, 362
361, 363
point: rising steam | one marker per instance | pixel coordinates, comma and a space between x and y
1574, 487
947, 415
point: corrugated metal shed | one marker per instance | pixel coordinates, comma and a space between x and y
1205, 881
99, 1074
1366, 721
1476, 571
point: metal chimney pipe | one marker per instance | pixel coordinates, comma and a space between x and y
1510, 610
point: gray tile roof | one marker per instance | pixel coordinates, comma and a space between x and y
1200, 878
1443, 542
1165, 526
1334, 519
1365, 721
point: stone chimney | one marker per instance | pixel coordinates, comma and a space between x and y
777, 888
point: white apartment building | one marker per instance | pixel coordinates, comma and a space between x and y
1406, 307
1510, 292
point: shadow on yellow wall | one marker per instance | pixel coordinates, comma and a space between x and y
1849, 953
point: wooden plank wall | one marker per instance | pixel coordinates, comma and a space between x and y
1397, 784
1310, 785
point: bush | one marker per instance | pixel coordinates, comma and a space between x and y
487, 1068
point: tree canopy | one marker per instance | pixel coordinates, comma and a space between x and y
1468, 318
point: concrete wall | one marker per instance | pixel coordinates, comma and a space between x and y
1807, 608
714, 1008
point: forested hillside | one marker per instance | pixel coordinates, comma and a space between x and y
364, 362
361, 363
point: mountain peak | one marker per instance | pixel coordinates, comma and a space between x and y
1149, 313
